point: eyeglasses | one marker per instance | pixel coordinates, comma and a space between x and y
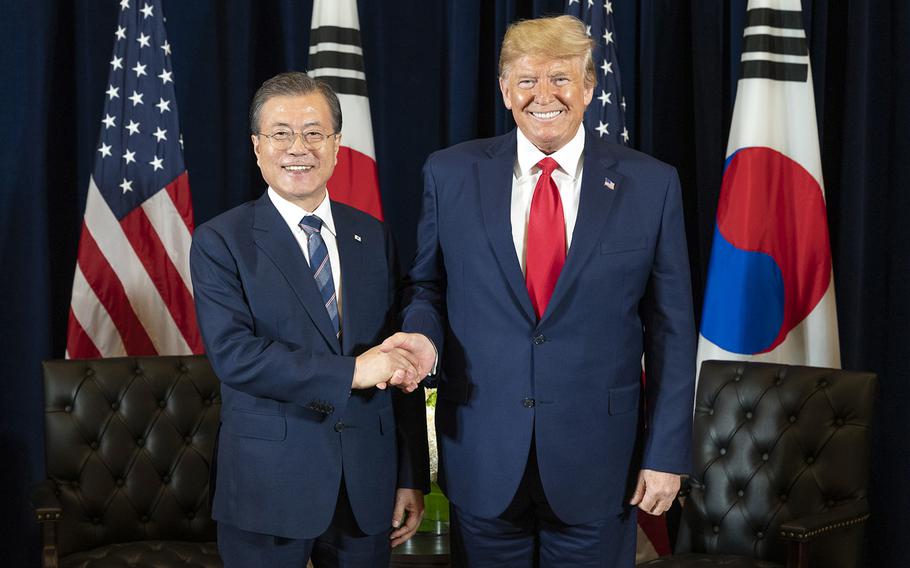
284, 139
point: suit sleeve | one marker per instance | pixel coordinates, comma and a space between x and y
413, 448
263, 367
669, 344
410, 408
423, 299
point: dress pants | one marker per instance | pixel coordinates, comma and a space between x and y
530, 535
342, 545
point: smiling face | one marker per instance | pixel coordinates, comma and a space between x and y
547, 97
297, 173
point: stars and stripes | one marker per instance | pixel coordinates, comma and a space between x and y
131, 289
336, 57
606, 113
769, 295
606, 116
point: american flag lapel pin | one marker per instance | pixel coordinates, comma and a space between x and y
609, 184
357, 238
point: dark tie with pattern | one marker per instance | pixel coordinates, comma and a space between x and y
546, 241
321, 267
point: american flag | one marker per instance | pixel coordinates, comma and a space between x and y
606, 113
131, 290
606, 116
336, 57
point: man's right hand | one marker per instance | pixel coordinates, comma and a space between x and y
376, 367
420, 348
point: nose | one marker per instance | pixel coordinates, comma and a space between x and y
544, 92
298, 146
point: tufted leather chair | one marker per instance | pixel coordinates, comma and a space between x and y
129, 445
781, 468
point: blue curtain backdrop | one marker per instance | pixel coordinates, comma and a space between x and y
431, 68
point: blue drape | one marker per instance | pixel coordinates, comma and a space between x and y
431, 69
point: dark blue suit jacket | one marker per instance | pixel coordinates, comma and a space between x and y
573, 379
290, 422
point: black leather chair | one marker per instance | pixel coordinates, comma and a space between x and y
129, 444
781, 468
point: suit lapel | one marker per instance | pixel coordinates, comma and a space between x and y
600, 184
352, 254
272, 236
494, 180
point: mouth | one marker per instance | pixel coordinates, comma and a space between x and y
297, 168
546, 116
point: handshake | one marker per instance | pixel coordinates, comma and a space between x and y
402, 360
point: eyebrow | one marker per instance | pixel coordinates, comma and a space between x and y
305, 124
524, 73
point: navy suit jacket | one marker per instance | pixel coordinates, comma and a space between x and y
572, 379
290, 422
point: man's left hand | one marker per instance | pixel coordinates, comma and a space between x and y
655, 491
408, 501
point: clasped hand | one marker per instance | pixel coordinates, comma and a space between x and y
402, 360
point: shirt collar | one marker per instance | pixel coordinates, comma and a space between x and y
568, 157
293, 213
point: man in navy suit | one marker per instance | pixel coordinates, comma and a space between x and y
292, 290
548, 263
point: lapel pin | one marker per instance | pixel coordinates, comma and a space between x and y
357, 238
609, 184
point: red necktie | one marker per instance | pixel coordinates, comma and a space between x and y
546, 241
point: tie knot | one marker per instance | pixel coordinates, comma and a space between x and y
311, 224
547, 165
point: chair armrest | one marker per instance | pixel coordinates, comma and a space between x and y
48, 511
45, 502
806, 529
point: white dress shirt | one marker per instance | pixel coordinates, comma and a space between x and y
293, 214
524, 179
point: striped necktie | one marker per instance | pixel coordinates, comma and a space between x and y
321, 267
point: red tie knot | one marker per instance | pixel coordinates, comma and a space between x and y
547, 165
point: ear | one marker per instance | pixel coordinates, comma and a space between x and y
589, 94
506, 90
337, 147
255, 140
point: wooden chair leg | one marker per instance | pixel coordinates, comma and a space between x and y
49, 547
798, 555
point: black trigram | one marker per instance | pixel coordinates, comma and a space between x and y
774, 42
336, 57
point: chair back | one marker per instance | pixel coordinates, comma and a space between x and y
129, 445
773, 443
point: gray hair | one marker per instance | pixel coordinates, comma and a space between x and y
293, 83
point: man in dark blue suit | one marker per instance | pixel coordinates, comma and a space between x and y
548, 264
292, 290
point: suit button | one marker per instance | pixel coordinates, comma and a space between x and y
339, 426
539, 339
528, 403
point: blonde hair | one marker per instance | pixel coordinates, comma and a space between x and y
557, 37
